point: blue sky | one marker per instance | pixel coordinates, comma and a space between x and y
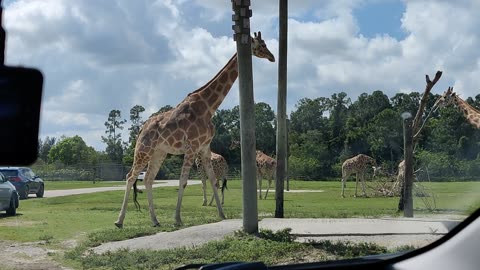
102, 55
381, 18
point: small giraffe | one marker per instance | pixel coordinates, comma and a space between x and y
471, 113
358, 165
220, 168
185, 130
266, 169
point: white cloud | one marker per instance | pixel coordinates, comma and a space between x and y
103, 55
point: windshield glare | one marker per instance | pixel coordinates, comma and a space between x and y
161, 146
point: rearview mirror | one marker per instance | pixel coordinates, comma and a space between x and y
20, 98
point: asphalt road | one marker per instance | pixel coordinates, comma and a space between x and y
67, 192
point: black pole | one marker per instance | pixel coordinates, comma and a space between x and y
241, 17
408, 154
281, 109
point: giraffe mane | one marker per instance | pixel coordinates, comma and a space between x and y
215, 77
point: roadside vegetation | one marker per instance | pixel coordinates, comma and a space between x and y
270, 247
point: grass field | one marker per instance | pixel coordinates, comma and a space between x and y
89, 218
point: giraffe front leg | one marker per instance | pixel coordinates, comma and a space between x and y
187, 164
268, 188
259, 186
356, 184
344, 179
363, 185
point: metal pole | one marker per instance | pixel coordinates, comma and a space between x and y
281, 109
408, 153
241, 17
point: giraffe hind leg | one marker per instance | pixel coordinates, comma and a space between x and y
131, 178
153, 168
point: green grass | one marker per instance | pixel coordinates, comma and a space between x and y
72, 216
89, 218
269, 247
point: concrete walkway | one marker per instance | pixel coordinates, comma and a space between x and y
389, 232
67, 192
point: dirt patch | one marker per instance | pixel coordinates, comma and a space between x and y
32, 255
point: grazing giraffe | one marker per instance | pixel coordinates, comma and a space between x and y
220, 169
185, 130
471, 113
266, 169
358, 165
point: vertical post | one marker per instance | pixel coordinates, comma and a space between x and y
2, 37
241, 17
281, 108
408, 154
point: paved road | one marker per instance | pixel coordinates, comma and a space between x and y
389, 232
162, 183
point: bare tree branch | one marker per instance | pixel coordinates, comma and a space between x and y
423, 104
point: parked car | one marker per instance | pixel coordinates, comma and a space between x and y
140, 177
8, 196
24, 180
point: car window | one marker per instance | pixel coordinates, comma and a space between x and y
2, 178
9, 173
131, 85
28, 173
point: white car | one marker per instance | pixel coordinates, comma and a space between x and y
140, 177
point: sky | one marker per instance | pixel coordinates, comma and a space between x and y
97, 56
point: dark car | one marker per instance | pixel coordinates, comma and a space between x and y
24, 180
8, 196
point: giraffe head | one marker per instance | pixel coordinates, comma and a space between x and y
259, 48
446, 99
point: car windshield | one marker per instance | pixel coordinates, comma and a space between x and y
374, 148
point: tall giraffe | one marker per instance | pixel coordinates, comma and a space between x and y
266, 169
220, 169
358, 165
449, 97
185, 130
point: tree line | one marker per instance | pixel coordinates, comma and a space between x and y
322, 133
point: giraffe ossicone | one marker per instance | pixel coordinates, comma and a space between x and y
185, 130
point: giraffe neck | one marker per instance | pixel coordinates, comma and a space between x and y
215, 91
471, 114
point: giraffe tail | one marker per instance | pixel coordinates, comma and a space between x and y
224, 184
135, 192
